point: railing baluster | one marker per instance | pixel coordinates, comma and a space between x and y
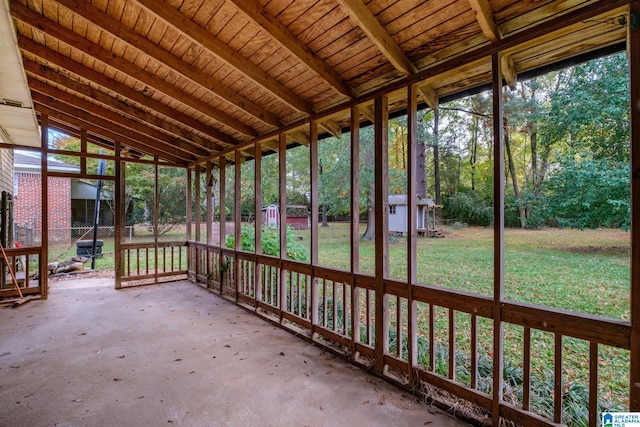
432, 339
398, 327
557, 380
526, 371
474, 351
593, 384
452, 344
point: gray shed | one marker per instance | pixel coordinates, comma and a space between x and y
398, 205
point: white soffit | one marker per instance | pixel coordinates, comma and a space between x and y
18, 122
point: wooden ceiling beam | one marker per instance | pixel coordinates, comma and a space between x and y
144, 45
362, 16
135, 97
508, 69
73, 120
332, 127
52, 29
288, 41
429, 96
486, 20
39, 88
202, 37
35, 70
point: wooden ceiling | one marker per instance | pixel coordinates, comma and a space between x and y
189, 80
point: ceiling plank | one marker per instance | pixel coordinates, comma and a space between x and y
144, 45
134, 126
91, 126
88, 74
205, 39
34, 69
484, 16
362, 16
54, 30
289, 42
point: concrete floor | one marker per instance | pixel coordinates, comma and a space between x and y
175, 354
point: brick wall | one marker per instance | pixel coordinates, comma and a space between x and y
28, 205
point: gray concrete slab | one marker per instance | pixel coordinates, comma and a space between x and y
175, 354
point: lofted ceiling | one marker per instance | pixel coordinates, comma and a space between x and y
189, 80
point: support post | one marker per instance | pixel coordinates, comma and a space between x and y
634, 77
381, 150
314, 178
209, 215
412, 233
197, 207
44, 184
120, 217
223, 205
258, 215
282, 180
355, 226
189, 201
156, 213
498, 237
237, 218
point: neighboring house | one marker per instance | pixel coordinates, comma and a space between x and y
398, 208
6, 197
71, 201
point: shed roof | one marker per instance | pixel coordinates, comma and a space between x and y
187, 80
401, 199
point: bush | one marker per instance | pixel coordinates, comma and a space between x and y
270, 242
468, 207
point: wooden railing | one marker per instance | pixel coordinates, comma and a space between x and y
153, 263
337, 309
26, 263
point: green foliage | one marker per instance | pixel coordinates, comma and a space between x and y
270, 242
587, 193
468, 207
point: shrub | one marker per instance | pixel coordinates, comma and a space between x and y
270, 242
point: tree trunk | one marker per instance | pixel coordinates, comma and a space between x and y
370, 232
325, 223
421, 169
512, 172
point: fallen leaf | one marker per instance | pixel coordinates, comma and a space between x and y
121, 357
426, 423
366, 402
381, 402
177, 360
117, 379
281, 353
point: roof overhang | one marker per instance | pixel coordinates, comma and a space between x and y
18, 122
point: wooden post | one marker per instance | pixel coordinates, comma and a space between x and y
412, 233
189, 211
223, 203
258, 215
156, 214
313, 175
282, 180
355, 226
634, 77
237, 217
197, 206
355, 189
44, 244
120, 219
498, 236
83, 149
209, 216
381, 151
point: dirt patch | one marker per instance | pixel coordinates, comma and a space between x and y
83, 274
598, 250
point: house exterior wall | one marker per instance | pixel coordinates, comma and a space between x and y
6, 171
398, 221
28, 205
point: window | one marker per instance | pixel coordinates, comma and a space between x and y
392, 209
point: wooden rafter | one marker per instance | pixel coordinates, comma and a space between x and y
490, 29
87, 123
203, 38
144, 45
52, 77
135, 97
134, 126
429, 96
362, 16
484, 16
332, 127
74, 40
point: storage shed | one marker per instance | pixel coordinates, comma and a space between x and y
398, 209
